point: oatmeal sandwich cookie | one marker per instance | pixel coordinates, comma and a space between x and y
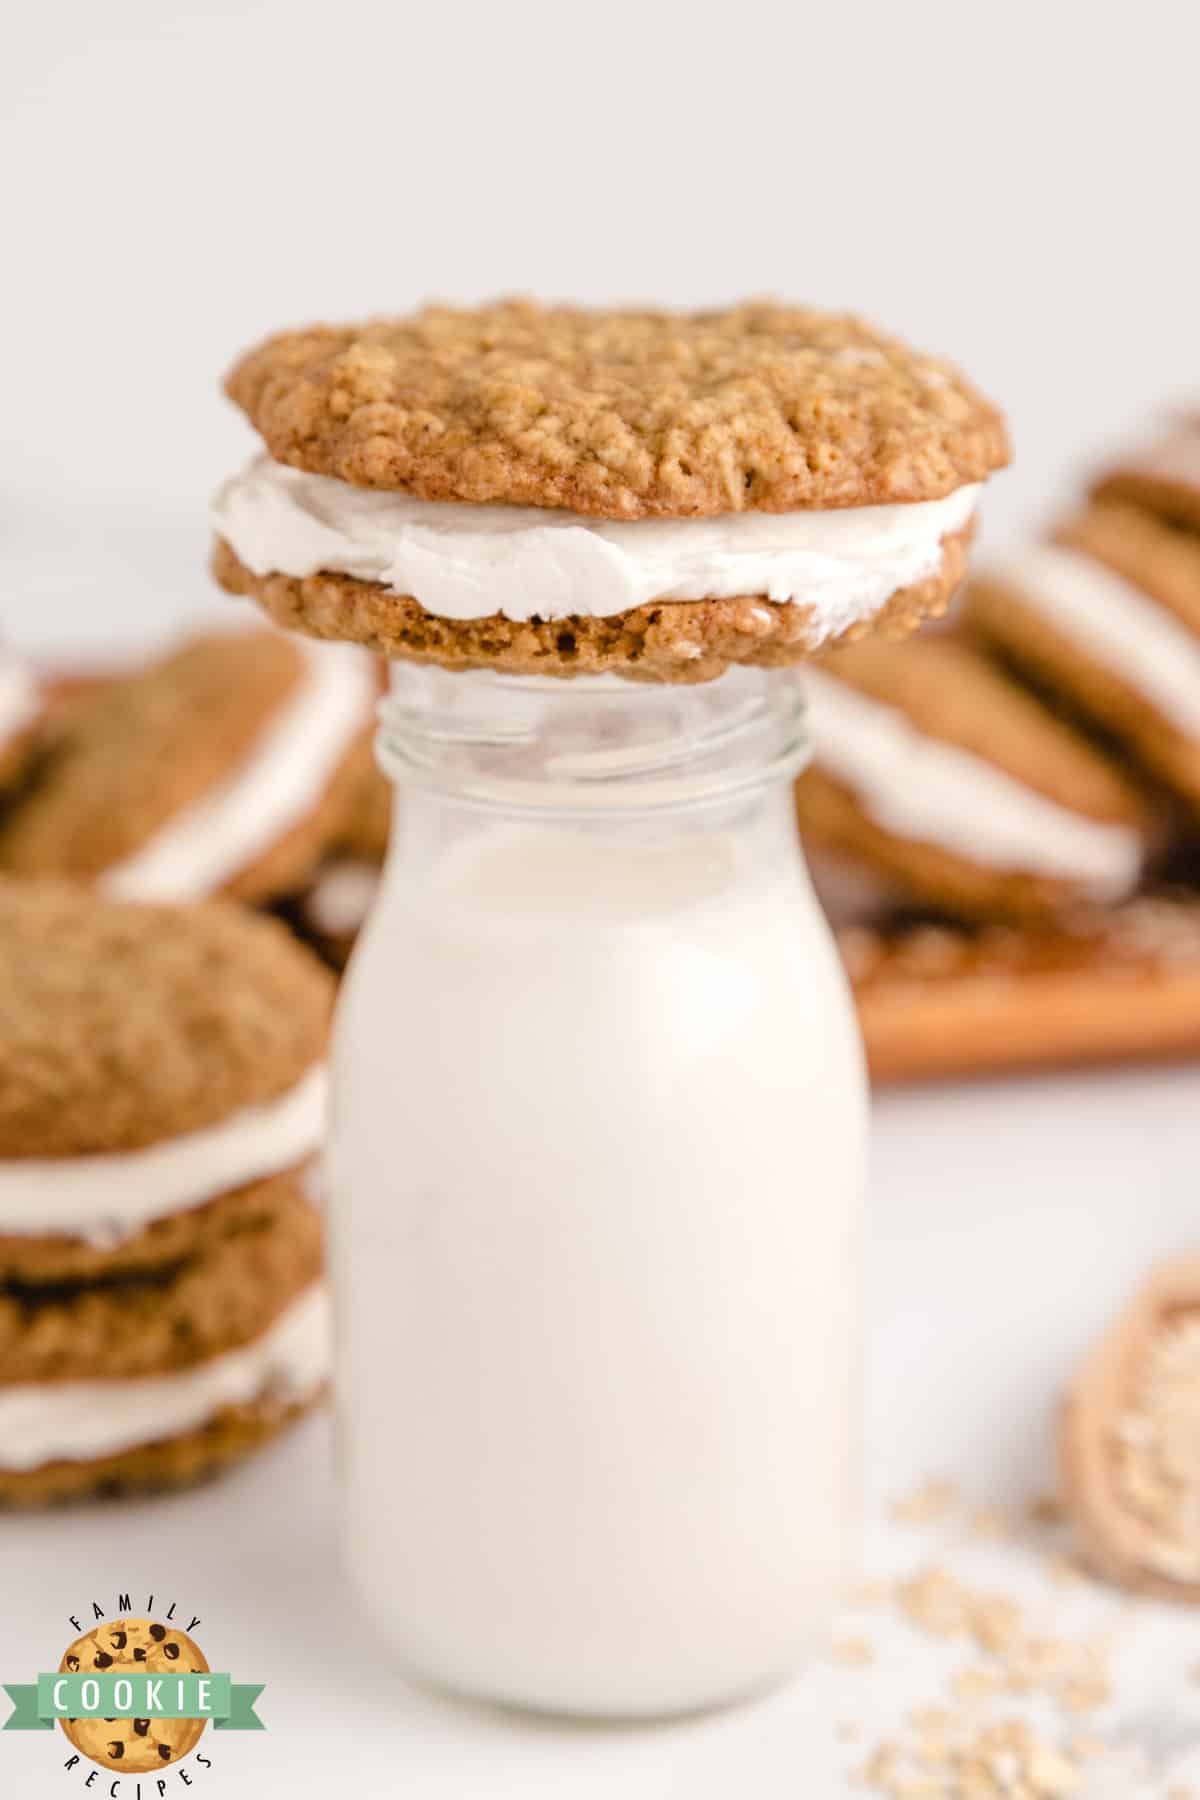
226, 766
161, 1307
935, 774
559, 491
1107, 618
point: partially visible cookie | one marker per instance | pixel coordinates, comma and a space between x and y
1130, 1440
228, 765
943, 1001
139, 1646
1107, 617
1163, 476
938, 774
561, 492
162, 1106
228, 1437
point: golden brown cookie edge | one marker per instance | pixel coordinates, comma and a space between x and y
668, 641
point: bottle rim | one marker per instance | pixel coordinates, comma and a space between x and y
612, 747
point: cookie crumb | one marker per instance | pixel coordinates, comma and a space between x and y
852, 1653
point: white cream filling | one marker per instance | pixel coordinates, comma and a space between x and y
277, 786
18, 697
342, 896
106, 1198
469, 562
75, 1421
1115, 624
923, 788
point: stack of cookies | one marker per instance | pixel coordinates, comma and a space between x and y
1075, 674
1106, 616
161, 1306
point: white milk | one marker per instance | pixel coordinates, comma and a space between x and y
599, 1128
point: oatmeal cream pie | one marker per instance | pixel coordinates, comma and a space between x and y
225, 766
161, 1305
558, 491
1162, 475
1107, 618
934, 772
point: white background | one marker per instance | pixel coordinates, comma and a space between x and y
1010, 184
1013, 185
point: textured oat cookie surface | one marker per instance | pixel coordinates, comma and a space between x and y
126, 1327
122, 1025
622, 415
122, 758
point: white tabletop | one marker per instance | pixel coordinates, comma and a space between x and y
1007, 1221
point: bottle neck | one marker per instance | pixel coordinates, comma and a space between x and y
595, 747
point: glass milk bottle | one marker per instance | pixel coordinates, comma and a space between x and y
596, 1175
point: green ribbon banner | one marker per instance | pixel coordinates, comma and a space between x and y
117, 1695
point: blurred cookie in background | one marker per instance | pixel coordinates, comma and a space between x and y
20, 710
229, 765
332, 908
936, 775
1106, 618
1162, 476
939, 1000
1129, 1437
163, 1103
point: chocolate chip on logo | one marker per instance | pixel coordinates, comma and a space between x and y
171, 1652
164, 1750
103, 1660
158, 1633
141, 1726
72, 1663
118, 1639
116, 1750
139, 1654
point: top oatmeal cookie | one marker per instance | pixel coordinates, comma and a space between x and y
622, 414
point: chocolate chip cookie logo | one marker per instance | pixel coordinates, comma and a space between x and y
134, 1695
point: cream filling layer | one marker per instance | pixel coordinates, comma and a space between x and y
278, 785
469, 562
1116, 624
106, 1198
923, 788
76, 1421
18, 697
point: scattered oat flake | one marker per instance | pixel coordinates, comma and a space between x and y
1046, 1509
933, 1500
991, 1522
